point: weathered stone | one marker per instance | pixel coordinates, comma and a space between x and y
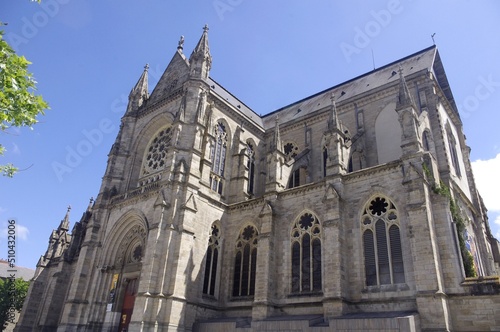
211, 217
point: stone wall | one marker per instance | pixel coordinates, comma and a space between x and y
475, 313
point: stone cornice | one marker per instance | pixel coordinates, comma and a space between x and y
301, 189
246, 205
142, 112
135, 195
369, 172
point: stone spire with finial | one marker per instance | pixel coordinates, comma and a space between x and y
139, 93
64, 226
404, 96
277, 145
200, 59
333, 120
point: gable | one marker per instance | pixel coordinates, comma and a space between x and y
176, 73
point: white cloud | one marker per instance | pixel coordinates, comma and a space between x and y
488, 181
21, 232
495, 227
16, 149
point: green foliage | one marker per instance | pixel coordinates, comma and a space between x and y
19, 106
12, 295
467, 258
443, 190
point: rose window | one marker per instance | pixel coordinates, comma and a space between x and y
156, 154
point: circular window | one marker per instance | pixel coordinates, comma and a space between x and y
156, 154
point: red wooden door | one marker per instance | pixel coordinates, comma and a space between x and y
128, 305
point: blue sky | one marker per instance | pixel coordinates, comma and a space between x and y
88, 55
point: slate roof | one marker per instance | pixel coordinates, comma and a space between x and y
425, 60
21, 272
231, 99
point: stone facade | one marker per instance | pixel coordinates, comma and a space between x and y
350, 210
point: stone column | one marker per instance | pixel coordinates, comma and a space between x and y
431, 301
263, 298
331, 254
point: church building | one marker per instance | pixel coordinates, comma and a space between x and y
354, 209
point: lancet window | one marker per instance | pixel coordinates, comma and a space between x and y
251, 167
452, 144
382, 243
212, 260
306, 254
245, 263
218, 157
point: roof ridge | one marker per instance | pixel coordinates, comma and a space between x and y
352, 79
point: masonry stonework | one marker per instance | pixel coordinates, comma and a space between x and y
353, 209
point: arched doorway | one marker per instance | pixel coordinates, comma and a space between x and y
124, 281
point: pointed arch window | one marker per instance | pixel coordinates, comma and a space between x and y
452, 144
212, 260
350, 167
425, 140
251, 168
325, 159
218, 158
306, 254
245, 263
382, 243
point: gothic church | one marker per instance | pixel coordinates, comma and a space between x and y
353, 209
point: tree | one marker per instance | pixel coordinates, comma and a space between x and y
12, 295
19, 106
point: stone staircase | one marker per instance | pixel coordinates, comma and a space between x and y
358, 322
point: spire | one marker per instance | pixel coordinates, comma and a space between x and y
333, 119
141, 87
65, 222
277, 145
404, 96
139, 93
202, 48
91, 204
201, 60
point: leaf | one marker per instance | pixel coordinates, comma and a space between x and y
19, 105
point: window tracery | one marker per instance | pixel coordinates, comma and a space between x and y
131, 249
291, 150
156, 154
245, 264
218, 157
212, 260
306, 254
382, 243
